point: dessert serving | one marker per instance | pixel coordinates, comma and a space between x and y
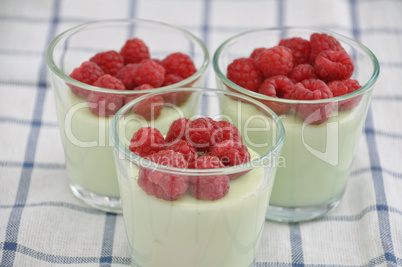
98, 67
320, 84
195, 193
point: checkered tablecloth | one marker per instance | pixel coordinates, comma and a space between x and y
42, 224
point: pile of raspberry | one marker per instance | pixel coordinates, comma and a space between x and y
131, 69
299, 69
202, 143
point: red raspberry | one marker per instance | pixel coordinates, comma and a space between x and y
134, 51
199, 133
144, 86
231, 153
157, 60
278, 86
179, 64
244, 73
150, 72
313, 89
256, 52
277, 60
184, 147
109, 82
126, 75
87, 73
302, 72
164, 185
147, 141
110, 61
175, 98
300, 49
344, 87
320, 42
177, 130
106, 104
129, 98
207, 162
208, 187
149, 108
334, 65
172, 79
225, 130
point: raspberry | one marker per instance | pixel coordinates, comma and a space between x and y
179, 64
164, 185
129, 98
320, 42
150, 72
175, 98
110, 61
313, 89
277, 60
231, 153
185, 148
278, 86
177, 130
106, 104
172, 79
225, 130
208, 187
157, 60
344, 87
199, 133
300, 49
87, 73
244, 73
256, 52
144, 86
134, 51
302, 72
207, 162
334, 65
126, 75
109, 82
147, 141
149, 108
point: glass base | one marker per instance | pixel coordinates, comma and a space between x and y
104, 203
135, 264
282, 214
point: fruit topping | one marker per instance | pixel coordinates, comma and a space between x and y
161, 184
87, 73
147, 141
110, 61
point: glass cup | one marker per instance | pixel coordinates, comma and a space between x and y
321, 135
190, 231
85, 136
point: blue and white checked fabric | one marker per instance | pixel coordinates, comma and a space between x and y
42, 224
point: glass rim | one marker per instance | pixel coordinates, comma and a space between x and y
58, 72
132, 157
364, 88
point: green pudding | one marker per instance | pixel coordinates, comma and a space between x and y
190, 232
89, 154
315, 161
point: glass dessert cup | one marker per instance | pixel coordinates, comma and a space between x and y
85, 136
319, 149
189, 231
